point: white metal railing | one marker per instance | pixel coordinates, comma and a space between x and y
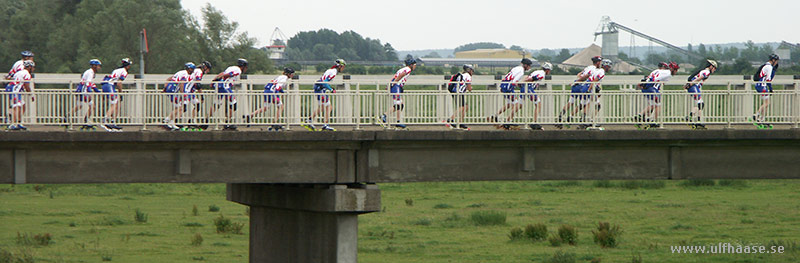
361, 105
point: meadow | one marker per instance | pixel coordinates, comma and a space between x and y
419, 222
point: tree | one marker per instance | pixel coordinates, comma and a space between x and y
433, 54
562, 56
479, 45
326, 44
517, 48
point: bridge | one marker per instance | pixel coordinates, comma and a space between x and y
360, 100
306, 189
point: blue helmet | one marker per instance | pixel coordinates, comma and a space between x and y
189, 65
95, 62
27, 53
410, 61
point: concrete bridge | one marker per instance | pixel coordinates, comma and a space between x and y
306, 189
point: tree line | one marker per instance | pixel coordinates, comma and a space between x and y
66, 34
326, 44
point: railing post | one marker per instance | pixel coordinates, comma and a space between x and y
357, 105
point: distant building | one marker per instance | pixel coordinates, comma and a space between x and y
492, 53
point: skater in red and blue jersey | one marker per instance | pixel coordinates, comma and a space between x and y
177, 85
192, 96
652, 89
21, 83
579, 93
320, 88
26, 56
85, 87
112, 84
695, 88
225, 81
508, 85
396, 88
271, 97
534, 78
764, 77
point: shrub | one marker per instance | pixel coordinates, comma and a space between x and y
732, 183
193, 224
636, 259
197, 239
442, 206
224, 225
607, 235
646, 184
194, 211
698, 182
43, 239
140, 216
421, 222
568, 234
603, 184
515, 234
488, 218
562, 257
213, 208
537, 232
24, 256
410, 202
478, 205
554, 240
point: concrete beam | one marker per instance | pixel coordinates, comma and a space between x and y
389, 156
305, 223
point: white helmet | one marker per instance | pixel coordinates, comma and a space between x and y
607, 62
547, 66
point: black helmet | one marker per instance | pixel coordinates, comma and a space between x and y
527, 61
241, 62
663, 65
410, 61
774, 57
288, 70
468, 67
206, 64
596, 59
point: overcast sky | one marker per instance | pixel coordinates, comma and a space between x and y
431, 24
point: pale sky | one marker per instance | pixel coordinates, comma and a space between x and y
534, 24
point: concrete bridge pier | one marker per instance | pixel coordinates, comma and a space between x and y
305, 222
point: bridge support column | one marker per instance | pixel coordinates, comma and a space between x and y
305, 222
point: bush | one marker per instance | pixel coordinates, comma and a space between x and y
224, 225
568, 234
562, 257
607, 235
698, 182
555, 240
646, 184
603, 184
636, 259
194, 211
43, 239
140, 216
537, 232
422, 222
213, 208
732, 183
488, 218
193, 224
410, 202
515, 234
197, 239
442, 206
24, 256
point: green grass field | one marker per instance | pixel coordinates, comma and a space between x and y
419, 222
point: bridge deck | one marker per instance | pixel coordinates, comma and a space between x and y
395, 156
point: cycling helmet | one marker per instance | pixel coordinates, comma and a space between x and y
206, 64
712, 63
27, 53
410, 61
95, 62
547, 66
673, 65
774, 57
288, 71
189, 65
468, 67
242, 62
126, 62
340, 62
526, 61
28, 63
607, 63
596, 59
